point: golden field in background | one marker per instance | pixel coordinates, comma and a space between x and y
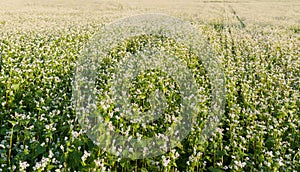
55, 13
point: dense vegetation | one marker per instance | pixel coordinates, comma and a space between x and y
258, 131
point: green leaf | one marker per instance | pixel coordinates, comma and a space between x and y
12, 122
144, 170
38, 151
212, 169
221, 153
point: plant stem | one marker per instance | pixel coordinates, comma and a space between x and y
10, 145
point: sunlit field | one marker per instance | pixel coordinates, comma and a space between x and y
257, 45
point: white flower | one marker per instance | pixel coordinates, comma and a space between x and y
51, 154
219, 164
23, 165
14, 167
85, 155
130, 150
62, 148
75, 134
270, 153
166, 162
281, 162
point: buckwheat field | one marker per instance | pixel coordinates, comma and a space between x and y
256, 45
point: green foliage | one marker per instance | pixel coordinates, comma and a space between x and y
259, 130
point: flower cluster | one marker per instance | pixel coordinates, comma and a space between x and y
259, 129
